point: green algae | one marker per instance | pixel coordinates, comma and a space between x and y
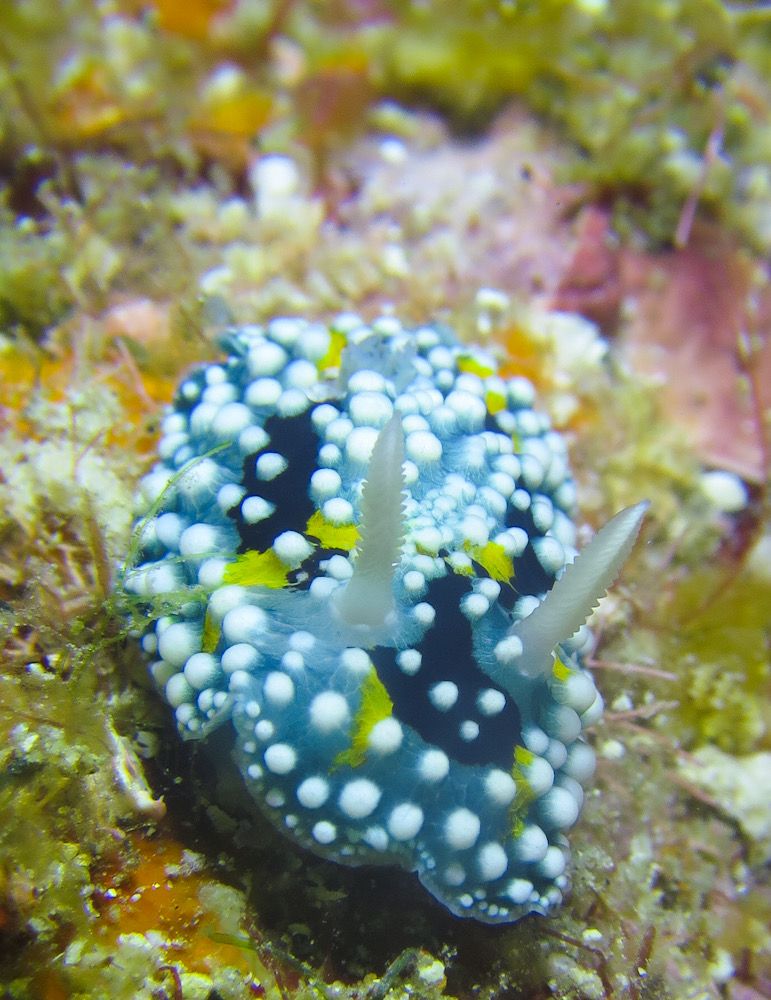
641, 91
719, 650
639, 88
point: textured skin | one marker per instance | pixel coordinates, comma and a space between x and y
384, 744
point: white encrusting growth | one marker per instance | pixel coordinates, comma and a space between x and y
575, 595
367, 597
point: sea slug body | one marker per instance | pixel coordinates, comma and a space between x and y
358, 530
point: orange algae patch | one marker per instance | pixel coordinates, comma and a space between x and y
87, 109
140, 395
241, 116
50, 986
226, 130
154, 889
526, 355
190, 18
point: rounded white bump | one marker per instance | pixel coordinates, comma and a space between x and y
725, 490
519, 890
366, 380
301, 374
424, 614
405, 821
376, 837
325, 483
500, 787
178, 691
468, 730
252, 439
169, 528
198, 540
211, 572
408, 661
531, 845
329, 711
280, 758
386, 736
428, 539
443, 695
593, 714
535, 740
561, 722
580, 763
454, 874
239, 681
293, 660
224, 599
263, 392
473, 530
324, 832
291, 402
423, 447
338, 511
553, 863
356, 660
292, 548
242, 656
359, 444
474, 606
255, 509
359, 798
201, 670
278, 688
491, 702
556, 753
558, 809
508, 649
373, 409
244, 623
266, 358
577, 690
330, 456
461, 829
302, 641
177, 643
414, 583
549, 553
230, 420
313, 792
539, 775
490, 588
275, 798
469, 410
434, 765
269, 465
492, 862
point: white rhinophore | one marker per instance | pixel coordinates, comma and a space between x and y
367, 598
572, 598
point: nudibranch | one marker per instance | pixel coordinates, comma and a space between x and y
358, 546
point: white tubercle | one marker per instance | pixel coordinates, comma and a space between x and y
575, 595
367, 598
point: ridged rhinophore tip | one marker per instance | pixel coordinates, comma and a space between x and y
577, 592
368, 597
